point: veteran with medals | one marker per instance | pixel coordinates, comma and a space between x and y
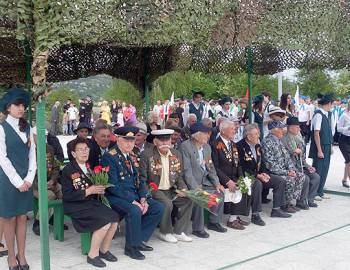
129, 196
81, 203
251, 159
200, 173
162, 165
226, 161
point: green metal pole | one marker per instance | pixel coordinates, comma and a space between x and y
249, 65
28, 78
42, 177
146, 56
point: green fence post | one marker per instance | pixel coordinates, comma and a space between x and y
42, 178
28, 78
249, 66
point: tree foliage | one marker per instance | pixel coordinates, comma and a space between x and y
315, 81
125, 92
214, 85
62, 95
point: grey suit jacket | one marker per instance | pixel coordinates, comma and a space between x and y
194, 175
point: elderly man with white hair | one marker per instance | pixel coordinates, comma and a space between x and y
252, 162
199, 173
191, 120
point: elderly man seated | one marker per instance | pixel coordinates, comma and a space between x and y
129, 196
200, 173
162, 165
252, 162
278, 162
296, 147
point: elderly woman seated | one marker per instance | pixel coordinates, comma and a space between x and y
81, 203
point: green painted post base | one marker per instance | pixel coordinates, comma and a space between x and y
206, 216
85, 241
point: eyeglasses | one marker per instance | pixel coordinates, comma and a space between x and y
82, 150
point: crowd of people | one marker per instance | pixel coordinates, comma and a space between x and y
181, 146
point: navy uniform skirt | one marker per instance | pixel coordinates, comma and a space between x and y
13, 202
92, 219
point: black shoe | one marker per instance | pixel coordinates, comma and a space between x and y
313, 204
216, 227
279, 213
134, 253
201, 234
144, 247
17, 267
256, 219
302, 205
36, 227
265, 201
97, 262
22, 267
108, 256
345, 184
288, 209
65, 227
4, 252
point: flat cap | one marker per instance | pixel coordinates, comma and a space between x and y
276, 124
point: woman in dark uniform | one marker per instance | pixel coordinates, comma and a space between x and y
17, 171
80, 202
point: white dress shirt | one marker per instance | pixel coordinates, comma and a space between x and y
317, 121
344, 124
6, 164
303, 113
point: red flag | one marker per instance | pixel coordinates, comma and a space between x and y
247, 94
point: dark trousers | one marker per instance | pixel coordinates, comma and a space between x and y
322, 167
314, 182
305, 131
198, 214
139, 228
278, 185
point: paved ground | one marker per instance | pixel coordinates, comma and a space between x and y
314, 239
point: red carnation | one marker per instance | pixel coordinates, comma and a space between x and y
97, 169
107, 169
211, 204
153, 186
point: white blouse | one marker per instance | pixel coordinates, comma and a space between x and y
6, 164
344, 124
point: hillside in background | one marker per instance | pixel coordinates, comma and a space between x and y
94, 86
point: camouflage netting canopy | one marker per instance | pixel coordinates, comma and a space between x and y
129, 38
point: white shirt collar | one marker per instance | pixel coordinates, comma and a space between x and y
226, 142
324, 112
12, 120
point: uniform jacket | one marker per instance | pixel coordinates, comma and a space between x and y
227, 164
249, 164
74, 183
195, 176
276, 156
124, 175
151, 168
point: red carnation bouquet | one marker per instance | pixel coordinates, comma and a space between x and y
207, 200
99, 177
151, 187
